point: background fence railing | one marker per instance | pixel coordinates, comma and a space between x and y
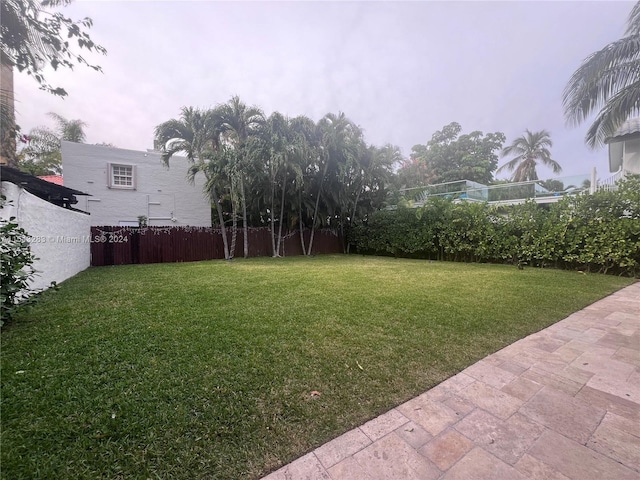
113, 245
502, 192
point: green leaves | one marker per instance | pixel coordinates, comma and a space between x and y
607, 81
528, 150
16, 268
598, 233
43, 156
448, 157
288, 173
33, 38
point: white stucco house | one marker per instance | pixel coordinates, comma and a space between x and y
624, 148
127, 184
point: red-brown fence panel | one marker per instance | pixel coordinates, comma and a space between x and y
112, 245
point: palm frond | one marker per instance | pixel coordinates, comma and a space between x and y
623, 105
600, 76
528, 150
510, 165
633, 22
552, 164
514, 149
541, 138
526, 171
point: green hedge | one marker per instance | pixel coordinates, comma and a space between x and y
595, 233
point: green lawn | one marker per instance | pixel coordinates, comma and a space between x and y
204, 370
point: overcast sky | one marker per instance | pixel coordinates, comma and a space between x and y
400, 70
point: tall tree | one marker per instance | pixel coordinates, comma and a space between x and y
339, 143
376, 177
412, 172
306, 159
33, 38
197, 134
69, 130
343, 192
371, 181
43, 155
528, 150
608, 81
449, 156
281, 148
216, 170
239, 123
273, 150
282, 172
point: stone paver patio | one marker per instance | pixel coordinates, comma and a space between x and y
563, 403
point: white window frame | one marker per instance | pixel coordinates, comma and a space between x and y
111, 177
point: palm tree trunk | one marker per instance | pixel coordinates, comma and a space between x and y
234, 225
315, 212
245, 227
234, 234
284, 189
223, 229
274, 252
304, 250
353, 215
313, 223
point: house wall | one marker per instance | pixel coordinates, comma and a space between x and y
162, 194
616, 154
58, 237
631, 160
625, 154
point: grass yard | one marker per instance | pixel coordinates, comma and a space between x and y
204, 370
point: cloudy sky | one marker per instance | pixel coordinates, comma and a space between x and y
400, 70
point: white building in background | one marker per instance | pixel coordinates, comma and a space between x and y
127, 184
624, 148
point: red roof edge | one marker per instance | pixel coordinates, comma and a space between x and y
57, 179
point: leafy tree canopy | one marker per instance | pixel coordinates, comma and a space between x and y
42, 154
412, 172
32, 38
279, 171
449, 156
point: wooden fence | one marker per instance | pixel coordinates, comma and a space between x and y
127, 245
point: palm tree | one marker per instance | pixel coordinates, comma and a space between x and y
239, 123
196, 134
43, 153
608, 81
190, 134
378, 170
273, 150
339, 147
281, 146
69, 130
305, 164
216, 170
529, 149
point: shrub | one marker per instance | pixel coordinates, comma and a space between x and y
16, 268
599, 232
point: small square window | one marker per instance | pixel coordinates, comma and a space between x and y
121, 176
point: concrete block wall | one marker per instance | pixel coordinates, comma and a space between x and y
58, 237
